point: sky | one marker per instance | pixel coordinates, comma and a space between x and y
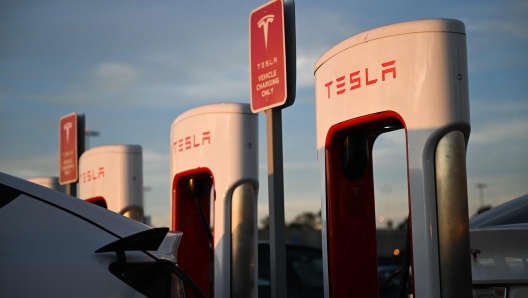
133, 67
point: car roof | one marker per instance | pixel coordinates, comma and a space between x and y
112, 222
510, 213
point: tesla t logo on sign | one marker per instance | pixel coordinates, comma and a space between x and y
67, 126
263, 23
267, 56
68, 149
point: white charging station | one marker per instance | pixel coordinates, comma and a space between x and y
217, 144
410, 75
112, 176
49, 182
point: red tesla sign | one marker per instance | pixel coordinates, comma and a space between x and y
267, 61
68, 172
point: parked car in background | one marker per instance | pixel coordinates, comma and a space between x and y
388, 280
304, 271
499, 248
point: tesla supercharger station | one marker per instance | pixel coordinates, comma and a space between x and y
112, 176
410, 75
214, 157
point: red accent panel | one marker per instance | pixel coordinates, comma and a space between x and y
355, 81
327, 85
99, 201
389, 70
367, 78
340, 85
351, 218
193, 253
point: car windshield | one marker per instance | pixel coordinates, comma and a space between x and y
512, 212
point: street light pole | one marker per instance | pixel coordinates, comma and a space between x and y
87, 134
480, 187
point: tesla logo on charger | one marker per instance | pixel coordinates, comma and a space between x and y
263, 23
355, 81
193, 141
356, 190
90, 175
67, 126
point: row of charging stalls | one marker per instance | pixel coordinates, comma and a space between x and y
111, 176
214, 167
410, 76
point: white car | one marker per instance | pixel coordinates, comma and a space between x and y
55, 245
499, 248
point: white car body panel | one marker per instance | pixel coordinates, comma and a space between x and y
499, 243
48, 241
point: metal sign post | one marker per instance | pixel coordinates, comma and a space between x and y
71, 146
272, 67
276, 203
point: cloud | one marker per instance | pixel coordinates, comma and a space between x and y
509, 107
206, 90
218, 87
31, 166
305, 65
500, 132
114, 77
513, 26
499, 108
510, 27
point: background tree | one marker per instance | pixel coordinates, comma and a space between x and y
307, 219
